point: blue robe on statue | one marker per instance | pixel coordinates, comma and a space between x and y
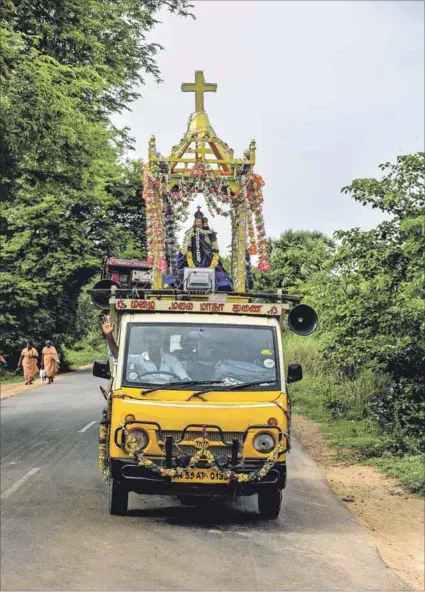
199, 249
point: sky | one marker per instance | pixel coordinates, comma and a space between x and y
328, 89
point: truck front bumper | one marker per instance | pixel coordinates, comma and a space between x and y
142, 480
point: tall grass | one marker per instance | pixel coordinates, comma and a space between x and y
344, 407
342, 396
305, 351
11, 378
84, 352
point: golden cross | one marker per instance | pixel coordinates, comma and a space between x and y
199, 87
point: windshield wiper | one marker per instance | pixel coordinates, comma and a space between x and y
233, 387
187, 383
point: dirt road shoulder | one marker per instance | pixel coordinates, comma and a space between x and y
393, 517
10, 390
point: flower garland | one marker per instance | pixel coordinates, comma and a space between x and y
217, 193
198, 171
189, 259
154, 226
204, 455
198, 243
263, 256
215, 260
254, 185
170, 239
251, 235
104, 465
187, 239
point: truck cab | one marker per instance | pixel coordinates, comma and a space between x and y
197, 404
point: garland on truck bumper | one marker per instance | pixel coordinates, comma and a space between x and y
103, 437
103, 465
204, 455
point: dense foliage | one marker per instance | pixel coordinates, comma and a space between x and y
67, 196
378, 316
294, 258
370, 298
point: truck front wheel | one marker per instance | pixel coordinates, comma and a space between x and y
118, 499
269, 503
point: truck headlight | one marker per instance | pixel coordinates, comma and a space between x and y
138, 437
264, 442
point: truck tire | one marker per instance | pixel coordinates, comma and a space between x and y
118, 499
269, 503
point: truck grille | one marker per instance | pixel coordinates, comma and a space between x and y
212, 436
215, 450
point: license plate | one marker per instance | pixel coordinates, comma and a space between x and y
201, 476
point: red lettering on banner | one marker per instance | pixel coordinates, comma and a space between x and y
182, 306
211, 307
143, 304
244, 308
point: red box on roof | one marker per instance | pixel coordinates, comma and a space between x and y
130, 263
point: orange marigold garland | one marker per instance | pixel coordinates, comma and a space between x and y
255, 184
251, 235
154, 222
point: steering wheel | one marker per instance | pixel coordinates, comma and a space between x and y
160, 372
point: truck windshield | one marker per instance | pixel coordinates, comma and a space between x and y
162, 354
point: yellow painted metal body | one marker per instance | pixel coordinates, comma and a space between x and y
233, 411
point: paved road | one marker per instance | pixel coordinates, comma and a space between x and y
57, 534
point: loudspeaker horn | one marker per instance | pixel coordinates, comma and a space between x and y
302, 319
101, 293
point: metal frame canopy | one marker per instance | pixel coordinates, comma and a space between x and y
201, 163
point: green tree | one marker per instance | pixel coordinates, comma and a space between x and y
294, 258
128, 211
67, 196
372, 306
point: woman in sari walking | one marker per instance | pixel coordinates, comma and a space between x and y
50, 361
28, 361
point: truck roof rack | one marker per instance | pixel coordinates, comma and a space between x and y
151, 294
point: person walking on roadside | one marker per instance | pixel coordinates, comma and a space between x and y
28, 361
3, 365
50, 361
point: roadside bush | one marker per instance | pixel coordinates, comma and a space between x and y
87, 344
340, 395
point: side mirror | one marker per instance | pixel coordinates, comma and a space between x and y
101, 369
295, 373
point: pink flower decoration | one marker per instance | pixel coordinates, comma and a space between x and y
264, 266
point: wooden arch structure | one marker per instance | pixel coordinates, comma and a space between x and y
202, 163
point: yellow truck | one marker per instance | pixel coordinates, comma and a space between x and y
197, 404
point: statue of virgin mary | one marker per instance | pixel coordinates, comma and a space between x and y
200, 249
